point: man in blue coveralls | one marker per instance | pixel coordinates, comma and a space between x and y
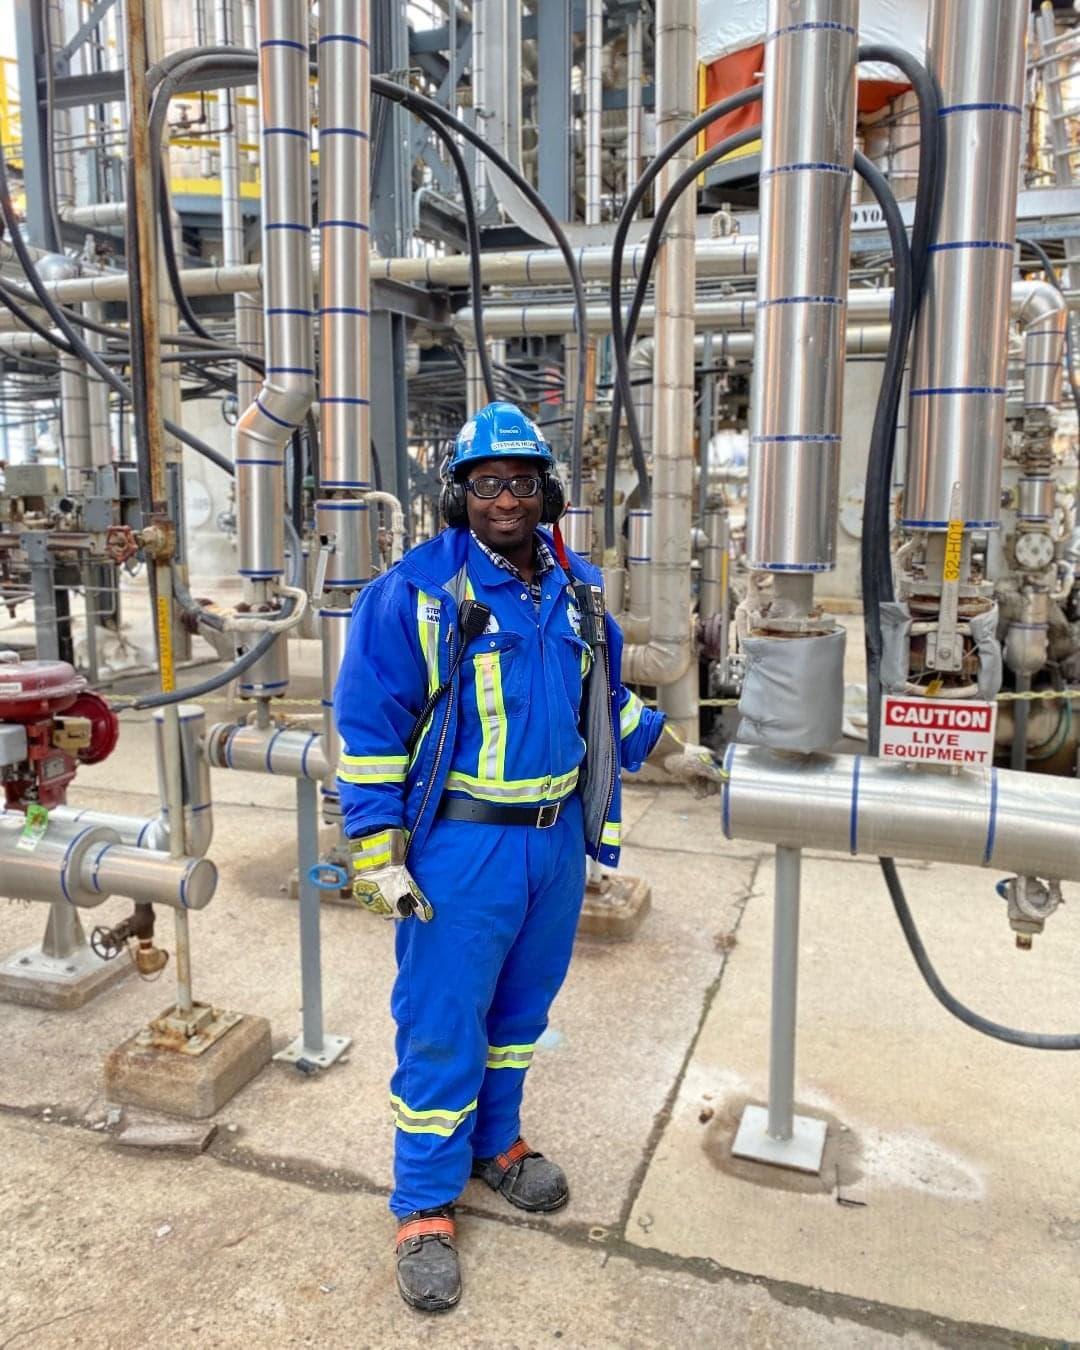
484, 725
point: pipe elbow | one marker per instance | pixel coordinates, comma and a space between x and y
656, 662
1043, 304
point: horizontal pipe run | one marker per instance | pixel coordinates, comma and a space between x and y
83, 864
1010, 822
287, 751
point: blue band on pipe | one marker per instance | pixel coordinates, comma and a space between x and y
345, 224
341, 506
328, 876
290, 370
270, 750
304, 753
792, 567
992, 827
803, 300
304, 313
343, 398
979, 107
66, 860
343, 131
344, 581
821, 439
725, 810
97, 865
826, 25
352, 483
811, 167
344, 37
285, 131
267, 463
142, 833
280, 421
971, 243
853, 825
958, 389
289, 225
944, 524
262, 684
345, 309
283, 42
334, 614
259, 574
639, 560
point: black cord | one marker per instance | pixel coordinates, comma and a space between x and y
877, 564
663, 212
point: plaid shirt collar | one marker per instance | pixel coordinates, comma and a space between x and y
543, 556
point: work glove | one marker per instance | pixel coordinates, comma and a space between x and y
694, 765
381, 881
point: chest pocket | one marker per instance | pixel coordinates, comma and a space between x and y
495, 676
575, 661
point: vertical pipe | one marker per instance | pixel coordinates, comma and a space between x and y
956, 422
232, 228
307, 857
633, 102
97, 397
479, 100
785, 979
594, 89
808, 127
673, 374
344, 146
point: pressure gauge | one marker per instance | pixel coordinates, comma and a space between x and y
1034, 550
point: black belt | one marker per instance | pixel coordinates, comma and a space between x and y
487, 813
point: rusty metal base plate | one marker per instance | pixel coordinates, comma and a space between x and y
193, 1034
31, 978
616, 908
194, 1086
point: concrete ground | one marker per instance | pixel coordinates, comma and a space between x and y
948, 1212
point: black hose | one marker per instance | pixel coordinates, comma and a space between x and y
621, 400
877, 565
661, 216
420, 104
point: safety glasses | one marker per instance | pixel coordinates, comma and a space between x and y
488, 486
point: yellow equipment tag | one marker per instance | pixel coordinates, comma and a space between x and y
165, 647
954, 550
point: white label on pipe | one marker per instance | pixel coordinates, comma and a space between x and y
938, 731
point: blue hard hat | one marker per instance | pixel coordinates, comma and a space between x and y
498, 431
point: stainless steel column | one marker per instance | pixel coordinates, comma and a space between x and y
808, 127
594, 90
956, 423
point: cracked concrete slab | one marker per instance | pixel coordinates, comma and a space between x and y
948, 1183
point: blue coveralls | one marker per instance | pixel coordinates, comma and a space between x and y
475, 984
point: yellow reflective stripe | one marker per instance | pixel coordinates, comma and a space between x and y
630, 715
525, 791
510, 1056
428, 610
439, 1121
374, 851
372, 768
610, 834
489, 704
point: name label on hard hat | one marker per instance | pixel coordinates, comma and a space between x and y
938, 730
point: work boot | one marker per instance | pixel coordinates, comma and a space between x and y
526, 1178
427, 1264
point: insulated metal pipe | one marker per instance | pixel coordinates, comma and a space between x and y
808, 131
593, 90
83, 865
289, 752
633, 103
1012, 822
288, 388
1043, 317
666, 659
956, 422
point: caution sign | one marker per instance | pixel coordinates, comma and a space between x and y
938, 731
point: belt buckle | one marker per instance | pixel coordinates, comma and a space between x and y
546, 816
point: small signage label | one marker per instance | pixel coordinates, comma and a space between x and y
938, 731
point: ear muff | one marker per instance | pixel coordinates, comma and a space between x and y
452, 504
553, 496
